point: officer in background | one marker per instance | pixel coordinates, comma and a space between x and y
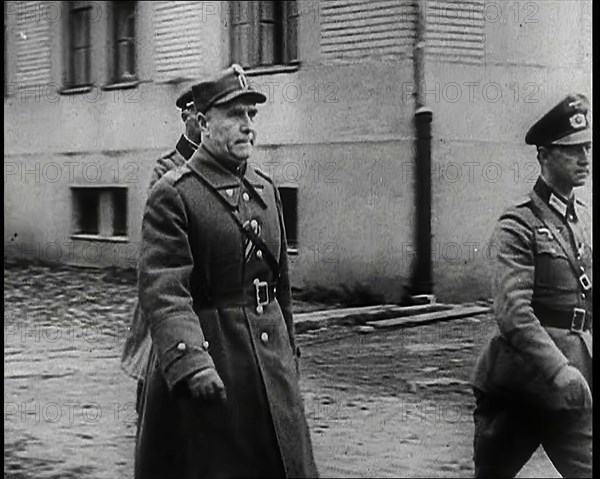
188, 142
137, 346
533, 381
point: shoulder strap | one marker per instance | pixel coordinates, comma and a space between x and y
244, 227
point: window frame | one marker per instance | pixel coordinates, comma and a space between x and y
106, 204
69, 57
255, 46
114, 77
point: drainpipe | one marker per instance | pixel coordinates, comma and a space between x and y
422, 282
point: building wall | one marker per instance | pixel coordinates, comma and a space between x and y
481, 113
339, 127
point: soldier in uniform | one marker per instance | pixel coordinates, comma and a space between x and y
214, 284
137, 346
188, 142
533, 381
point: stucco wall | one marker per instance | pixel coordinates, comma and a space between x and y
342, 133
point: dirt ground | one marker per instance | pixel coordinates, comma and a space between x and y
379, 404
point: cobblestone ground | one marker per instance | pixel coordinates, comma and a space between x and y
383, 404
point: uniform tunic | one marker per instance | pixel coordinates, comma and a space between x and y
542, 271
196, 285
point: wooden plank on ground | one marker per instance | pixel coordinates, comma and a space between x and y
380, 310
458, 312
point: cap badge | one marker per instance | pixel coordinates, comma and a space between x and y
241, 76
577, 121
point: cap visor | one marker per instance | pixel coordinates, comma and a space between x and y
257, 97
577, 138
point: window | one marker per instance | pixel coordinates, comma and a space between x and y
78, 45
289, 202
122, 42
99, 212
264, 33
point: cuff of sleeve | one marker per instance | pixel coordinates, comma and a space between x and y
182, 365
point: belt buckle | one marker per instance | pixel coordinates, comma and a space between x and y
585, 282
578, 321
261, 286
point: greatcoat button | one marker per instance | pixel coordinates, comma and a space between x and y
254, 223
259, 254
264, 337
246, 196
181, 347
205, 345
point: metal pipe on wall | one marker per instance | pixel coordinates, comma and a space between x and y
422, 274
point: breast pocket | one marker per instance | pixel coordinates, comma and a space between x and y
552, 268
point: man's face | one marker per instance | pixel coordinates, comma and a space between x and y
229, 128
568, 165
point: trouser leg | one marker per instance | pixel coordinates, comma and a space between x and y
567, 439
506, 435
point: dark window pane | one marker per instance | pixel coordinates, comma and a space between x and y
124, 40
240, 12
80, 67
267, 44
241, 45
86, 204
291, 36
78, 62
81, 27
267, 11
289, 201
125, 60
125, 19
292, 8
119, 202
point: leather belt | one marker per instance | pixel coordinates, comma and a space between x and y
575, 319
260, 294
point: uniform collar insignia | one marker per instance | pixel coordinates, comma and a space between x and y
558, 204
256, 184
229, 192
185, 147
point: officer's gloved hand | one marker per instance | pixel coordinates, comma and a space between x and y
207, 385
573, 388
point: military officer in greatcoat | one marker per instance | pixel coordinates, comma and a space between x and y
214, 285
137, 346
533, 381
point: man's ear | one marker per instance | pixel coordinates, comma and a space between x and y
543, 154
202, 121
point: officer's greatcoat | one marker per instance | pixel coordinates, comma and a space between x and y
136, 351
542, 272
196, 285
